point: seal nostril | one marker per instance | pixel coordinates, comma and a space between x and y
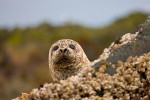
63, 50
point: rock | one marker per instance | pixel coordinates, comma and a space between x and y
130, 82
130, 44
122, 73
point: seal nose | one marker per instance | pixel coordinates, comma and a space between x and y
64, 50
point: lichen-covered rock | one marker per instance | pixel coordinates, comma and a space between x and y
131, 81
121, 73
130, 44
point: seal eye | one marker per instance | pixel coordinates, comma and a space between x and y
55, 48
72, 46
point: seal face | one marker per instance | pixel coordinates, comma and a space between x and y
66, 58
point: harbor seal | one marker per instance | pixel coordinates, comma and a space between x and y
66, 58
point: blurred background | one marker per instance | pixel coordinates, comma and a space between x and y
29, 27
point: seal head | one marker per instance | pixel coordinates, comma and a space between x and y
66, 58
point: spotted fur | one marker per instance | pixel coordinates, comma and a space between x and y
63, 65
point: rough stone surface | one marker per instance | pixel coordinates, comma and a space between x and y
130, 82
130, 44
121, 73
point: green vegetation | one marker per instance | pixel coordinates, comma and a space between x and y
24, 51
